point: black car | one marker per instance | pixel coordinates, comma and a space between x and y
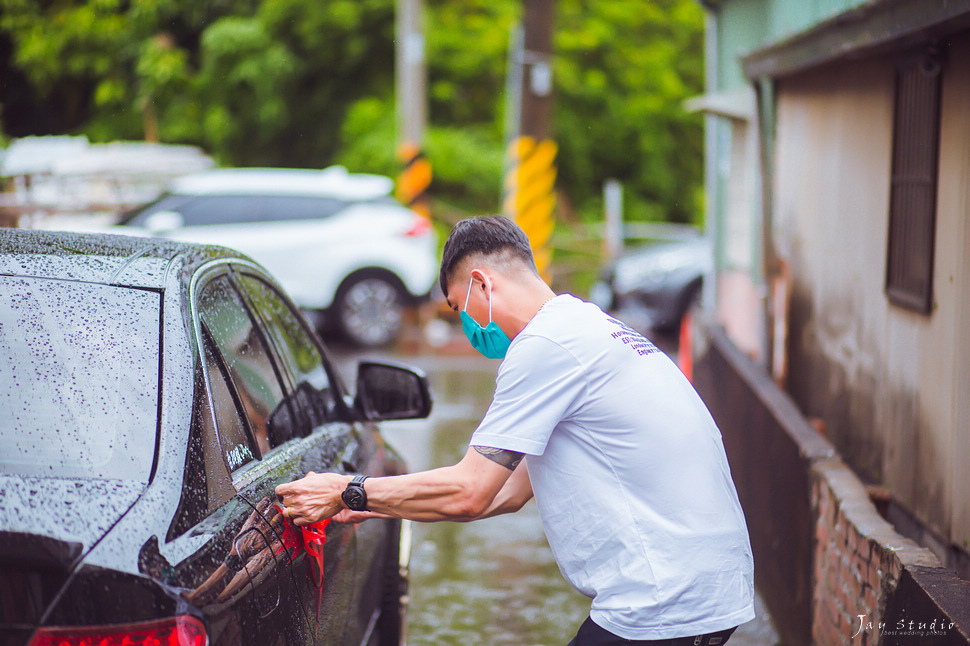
152, 396
654, 285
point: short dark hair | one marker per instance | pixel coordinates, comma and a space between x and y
487, 235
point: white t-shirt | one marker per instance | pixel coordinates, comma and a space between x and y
629, 474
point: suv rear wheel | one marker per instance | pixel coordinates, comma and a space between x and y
369, 309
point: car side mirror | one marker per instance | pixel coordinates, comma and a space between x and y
390, 391
162, 222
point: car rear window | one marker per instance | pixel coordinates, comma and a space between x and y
167, 202
206, 210
79, 388
300, 207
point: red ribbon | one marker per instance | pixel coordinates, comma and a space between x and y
291, 541
311, 539
314, 538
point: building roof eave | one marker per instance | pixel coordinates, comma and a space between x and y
866, 28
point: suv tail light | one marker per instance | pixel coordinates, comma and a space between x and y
419, 226
176, 631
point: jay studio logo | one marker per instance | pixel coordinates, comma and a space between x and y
904, 627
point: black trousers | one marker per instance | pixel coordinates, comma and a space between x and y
591, 634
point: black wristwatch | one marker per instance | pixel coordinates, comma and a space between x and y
354, 495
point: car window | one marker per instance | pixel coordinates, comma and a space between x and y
167, 202
79, 386
207, 484
248, 366
238, 443
299, 207
298, 352
209, 210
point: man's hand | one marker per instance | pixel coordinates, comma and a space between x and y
313, 498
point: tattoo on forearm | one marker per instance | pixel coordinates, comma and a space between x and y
508, 459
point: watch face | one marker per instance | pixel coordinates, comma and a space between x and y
355, 498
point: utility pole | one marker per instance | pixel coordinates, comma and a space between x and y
530, 175
537, 60
415, 179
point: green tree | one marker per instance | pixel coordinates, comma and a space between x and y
623, 69
297, 83
246, 75
253, 81
112, 68
343, 50
466, 47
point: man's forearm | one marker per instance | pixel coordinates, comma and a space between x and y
514, 494
428, 496
461, 492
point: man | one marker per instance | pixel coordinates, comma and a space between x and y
625, 463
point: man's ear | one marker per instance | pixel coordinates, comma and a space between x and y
480, 279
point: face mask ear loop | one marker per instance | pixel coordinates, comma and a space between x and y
469, 292
490, 304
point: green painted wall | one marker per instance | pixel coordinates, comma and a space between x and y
741, 26
746, 25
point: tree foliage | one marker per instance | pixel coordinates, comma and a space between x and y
623, 70
297, 83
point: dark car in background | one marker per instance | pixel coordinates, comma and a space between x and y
653, 286
153, 394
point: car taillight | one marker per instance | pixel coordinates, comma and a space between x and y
176, 631
419, 226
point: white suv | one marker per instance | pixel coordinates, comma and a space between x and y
336, 241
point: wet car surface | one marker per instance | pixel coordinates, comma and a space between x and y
153, 396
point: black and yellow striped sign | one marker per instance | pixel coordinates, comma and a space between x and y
415, 180
528, 196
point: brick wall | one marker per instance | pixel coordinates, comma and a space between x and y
859, 558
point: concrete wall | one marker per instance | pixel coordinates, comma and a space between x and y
830, 569
890, 385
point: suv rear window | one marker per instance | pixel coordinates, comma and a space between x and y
138, 217
79, 388
300, 207
206, 210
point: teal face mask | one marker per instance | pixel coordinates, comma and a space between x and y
491, 341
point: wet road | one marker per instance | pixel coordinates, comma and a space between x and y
492, 581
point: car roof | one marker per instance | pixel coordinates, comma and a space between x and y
334, 182
130, 261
